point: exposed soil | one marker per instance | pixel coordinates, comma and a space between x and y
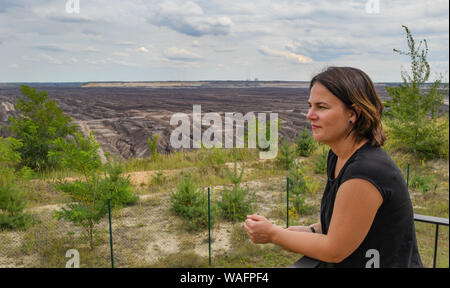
148, 231
124, 115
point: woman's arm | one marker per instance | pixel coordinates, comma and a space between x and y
317, 228
357, 202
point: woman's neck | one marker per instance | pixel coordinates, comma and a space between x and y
344, 149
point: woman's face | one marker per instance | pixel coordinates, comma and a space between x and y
328, 115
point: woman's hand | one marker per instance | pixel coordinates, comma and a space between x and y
259, 229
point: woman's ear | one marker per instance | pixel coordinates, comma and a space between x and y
355, 113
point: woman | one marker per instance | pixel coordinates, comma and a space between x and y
366, 215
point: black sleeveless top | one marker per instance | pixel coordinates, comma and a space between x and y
392, 235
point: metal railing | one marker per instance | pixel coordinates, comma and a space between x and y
306, 262
432, 220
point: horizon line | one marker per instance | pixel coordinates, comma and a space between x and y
156, 81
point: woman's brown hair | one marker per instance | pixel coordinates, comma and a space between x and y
355, 89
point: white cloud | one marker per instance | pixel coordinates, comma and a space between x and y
143, 49
50, 59
121, 54
109, 60
163, 37
180, 54
189, 18
30, 59
297, 58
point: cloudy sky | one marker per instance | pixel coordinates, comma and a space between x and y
152, 40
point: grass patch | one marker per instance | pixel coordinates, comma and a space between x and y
246, 254
46, 241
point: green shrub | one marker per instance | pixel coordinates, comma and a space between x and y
38, 123
89, 196
153, 146
305, 143
77, 153
9, 155
217, 156
85, 214
424, 183
286, 155
297, 180
299, 204
428, 139
117, 187
300, 186
159, 179
320, 162
12, 200
236, 204
89, 206
12, 204
80, 154
413, 116
191, 204
9, 158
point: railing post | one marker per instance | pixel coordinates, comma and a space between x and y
435, 245
433, 220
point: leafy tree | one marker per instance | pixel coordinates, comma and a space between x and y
89, 197
8, 151
87, 209
12, 200
9, 158
236, 204
413, 120
305, 143
38, 123
77, 153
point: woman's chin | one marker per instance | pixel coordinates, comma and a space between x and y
318, 138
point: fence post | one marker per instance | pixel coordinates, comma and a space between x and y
287, 202
407, 177
110, 233
209, 224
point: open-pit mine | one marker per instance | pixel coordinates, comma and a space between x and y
123, 115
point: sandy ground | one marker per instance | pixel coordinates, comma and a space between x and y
148, 231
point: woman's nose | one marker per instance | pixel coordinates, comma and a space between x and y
311, 115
